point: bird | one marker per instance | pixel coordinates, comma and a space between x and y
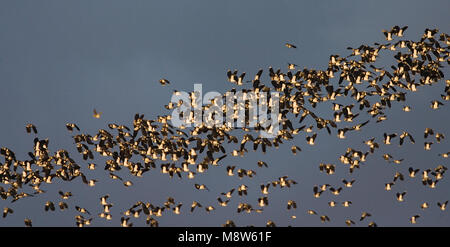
191, 175
445, 155
311, 212
97, 114
388, 186
406, 108
230, 170
311, 139
324, 218
124, 222
107, 208
176, 210
364, 215
232, 76
439, 137
201, 187
413, 172
263, 201
194, 205
435, 104
427, 145
65, 195
349, 222
442, 206
229, 223
398, 175
262, 163
91, 166
28, 222
346, 204
424, 205
222, 203
291, 66
348, 184
31, 128
341, 133
388, 138
265, 188
92, 182
240, 79
400, 31
7, 211
209, 208
388, 35
289, 45
398, 161
164, 82
294, 149
82, 210
335, 192
127, 183
71, 126
372, 224
401, 196
414, 218
228, 194
270, 224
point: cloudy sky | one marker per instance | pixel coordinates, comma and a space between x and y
61, 59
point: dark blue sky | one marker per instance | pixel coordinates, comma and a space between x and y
59, 60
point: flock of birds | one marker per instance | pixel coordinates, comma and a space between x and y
178, 152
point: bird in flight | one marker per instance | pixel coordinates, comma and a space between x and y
31, 127
97, 114
164, 82
289, 45
151, 143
